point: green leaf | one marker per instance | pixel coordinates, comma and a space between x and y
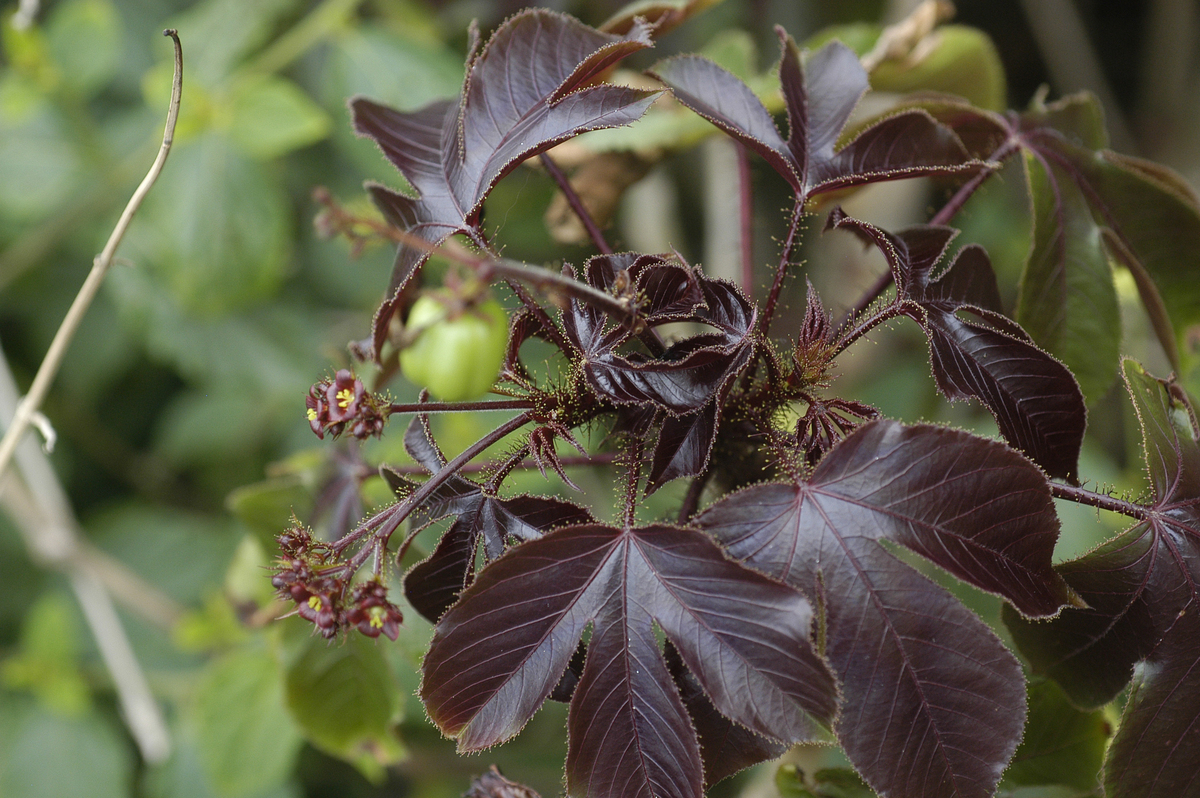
216, 229
272, 116
46, 755
1062, 745
184, 554
84, 38
38, 163
1047, 791
402, 72
954, 59
734, 50
246, 739
267, 507
961, 60
858, 36
344, 699
1157, 218
47, 662
1080, 116
219, 34
183, 775
1068, 301
825, 783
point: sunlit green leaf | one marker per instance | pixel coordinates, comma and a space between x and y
47, 755
959, 60
1062, 745
46, 663
267, 507
84, 38
1068, 301
344, 699
38, 162
246, 739
272, 116
220, 33
216, 230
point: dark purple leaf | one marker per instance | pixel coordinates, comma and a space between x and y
683, 446
1035, 400
725, 746
1147, 216
1137, 583
527, 90
1157, 749
500, 651
690, 373
819, 97
434, 584
931, 700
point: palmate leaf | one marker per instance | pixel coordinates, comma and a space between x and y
932, 702
1034, 398
1141, 588
528, 89
499, 652
819, 97
432, 585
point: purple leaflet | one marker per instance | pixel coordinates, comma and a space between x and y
819, 96
1089, 205
725, 746
689, 374
434, 584
1142, 588
499, 652
528, 89
1139, 583
690, 379
1036, 402
1158, 745
929, 694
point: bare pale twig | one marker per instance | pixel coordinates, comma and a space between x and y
44, 512
28, 407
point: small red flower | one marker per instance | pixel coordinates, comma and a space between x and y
371, 612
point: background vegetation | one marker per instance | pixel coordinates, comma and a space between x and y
186, 383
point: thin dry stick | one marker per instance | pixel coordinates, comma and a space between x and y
43, 514
27, 409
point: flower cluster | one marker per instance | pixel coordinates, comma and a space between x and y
310, 574
334, 404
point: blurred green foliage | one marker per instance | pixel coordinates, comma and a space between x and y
186, 383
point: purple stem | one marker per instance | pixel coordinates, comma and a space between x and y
602, 458
691, 499
947, 212
395, 515
461, 407
764, 325
885, 313
746, 205
576, 203
633, 459
1099, 500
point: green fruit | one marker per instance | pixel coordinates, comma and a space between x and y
455, 358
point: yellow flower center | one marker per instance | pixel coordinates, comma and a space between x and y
314, 602
312, 414
344, 397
